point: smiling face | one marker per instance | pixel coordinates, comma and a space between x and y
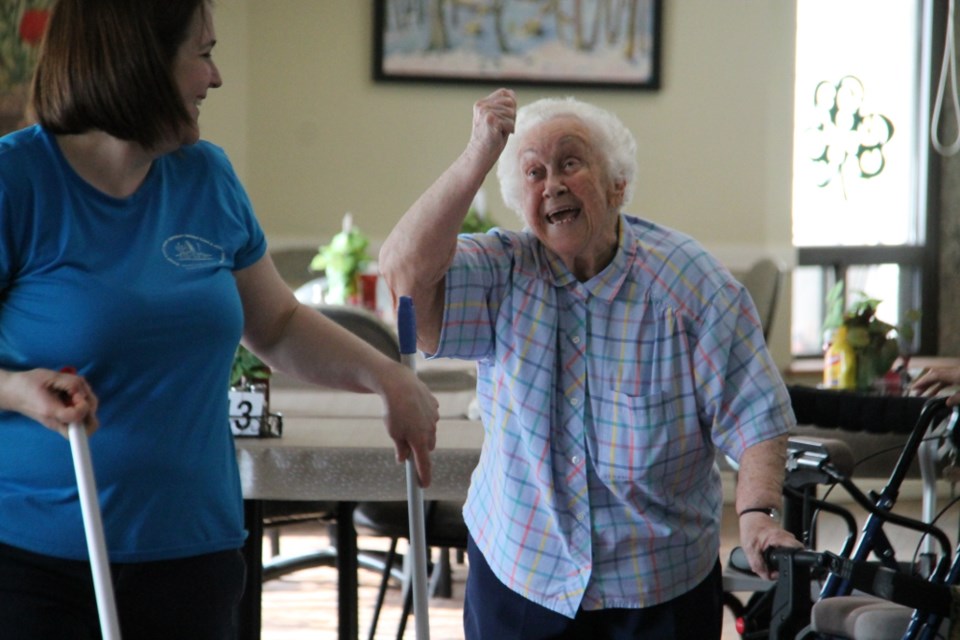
567, 198
195, 72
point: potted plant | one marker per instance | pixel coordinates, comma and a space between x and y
861, 348
342, 261
249, 397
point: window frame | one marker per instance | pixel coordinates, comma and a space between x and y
919, 263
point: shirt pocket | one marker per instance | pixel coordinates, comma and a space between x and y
635, 438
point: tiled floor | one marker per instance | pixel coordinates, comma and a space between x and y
302, 605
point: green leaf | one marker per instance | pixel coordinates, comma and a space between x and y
834, 306
246, 365
858, 337
879, 328
475, 223
888, 355
346, 254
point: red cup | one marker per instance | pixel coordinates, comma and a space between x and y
368, 291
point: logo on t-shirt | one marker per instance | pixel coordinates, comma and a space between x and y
192, 252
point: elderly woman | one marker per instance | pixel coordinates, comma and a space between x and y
615, 357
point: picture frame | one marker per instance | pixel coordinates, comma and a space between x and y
590, 43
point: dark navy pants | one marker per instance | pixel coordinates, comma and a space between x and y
491, 611
45, 598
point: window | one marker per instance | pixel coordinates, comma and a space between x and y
861, 161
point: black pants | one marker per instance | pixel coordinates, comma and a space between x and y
491, 610
45, 598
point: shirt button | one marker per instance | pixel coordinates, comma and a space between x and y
580, 517
575, 459
576, 339
575, 401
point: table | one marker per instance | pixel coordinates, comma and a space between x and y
347, 460
809, 371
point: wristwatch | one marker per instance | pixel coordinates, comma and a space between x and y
773, 512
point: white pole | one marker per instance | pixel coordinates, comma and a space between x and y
407, 329
93, 527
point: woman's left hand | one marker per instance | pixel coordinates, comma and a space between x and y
411, 419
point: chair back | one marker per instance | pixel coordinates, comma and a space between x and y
357, 321
293, 264
364, 325
276, 513
762, 282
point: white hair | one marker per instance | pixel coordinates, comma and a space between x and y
611, 139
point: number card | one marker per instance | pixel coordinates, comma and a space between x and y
248, 412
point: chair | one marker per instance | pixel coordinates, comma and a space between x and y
278, 513
762, 282
445, 530
293, 264
444, 524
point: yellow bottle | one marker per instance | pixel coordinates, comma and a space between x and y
840, 363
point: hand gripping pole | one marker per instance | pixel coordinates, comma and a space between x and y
407, 329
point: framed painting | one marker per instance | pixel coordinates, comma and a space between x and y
596, 43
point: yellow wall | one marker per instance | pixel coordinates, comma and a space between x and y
313, 135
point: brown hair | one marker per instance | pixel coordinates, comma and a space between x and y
107, 65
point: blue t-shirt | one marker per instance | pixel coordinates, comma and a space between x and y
137, 293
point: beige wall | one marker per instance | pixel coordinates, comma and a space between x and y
313, 136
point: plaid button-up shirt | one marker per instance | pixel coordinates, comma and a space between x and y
603, 404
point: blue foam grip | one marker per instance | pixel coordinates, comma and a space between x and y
407, 325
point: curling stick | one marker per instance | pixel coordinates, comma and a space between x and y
93, 527
407, 330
